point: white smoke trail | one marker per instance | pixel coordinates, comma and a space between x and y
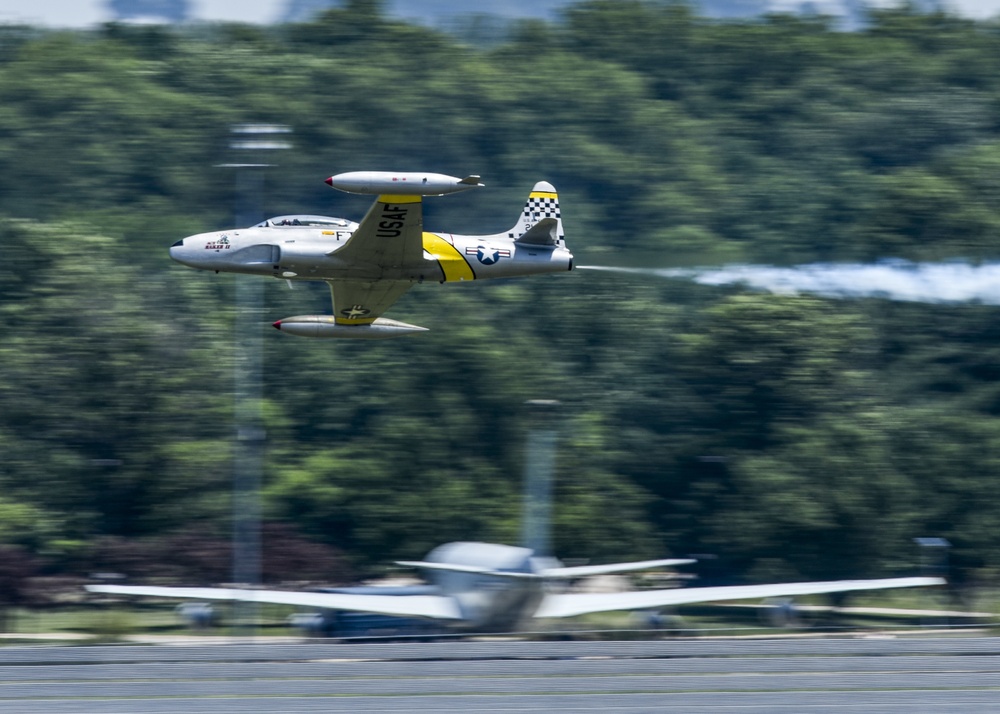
952, 282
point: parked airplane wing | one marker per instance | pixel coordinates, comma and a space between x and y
570, 604
434, 606
582, 571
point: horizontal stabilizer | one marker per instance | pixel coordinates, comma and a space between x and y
579, 571
543, 233
582, 571
448, 567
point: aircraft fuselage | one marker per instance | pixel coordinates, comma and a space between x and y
309, 252
490, 602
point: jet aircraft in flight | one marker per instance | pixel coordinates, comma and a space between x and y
369, 265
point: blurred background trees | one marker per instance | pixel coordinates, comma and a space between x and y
789, 435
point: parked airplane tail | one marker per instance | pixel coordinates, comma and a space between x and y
541, 222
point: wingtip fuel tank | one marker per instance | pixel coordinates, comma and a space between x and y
326, 326
402, 184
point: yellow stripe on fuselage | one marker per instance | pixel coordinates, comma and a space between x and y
542, 194
393, 198
453, 264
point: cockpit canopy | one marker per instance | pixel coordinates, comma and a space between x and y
304, 220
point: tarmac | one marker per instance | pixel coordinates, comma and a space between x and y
863, 674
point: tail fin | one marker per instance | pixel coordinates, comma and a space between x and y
540, 222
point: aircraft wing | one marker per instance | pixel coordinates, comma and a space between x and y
357, 302
581, 571
570, 604
433, 606
389, 236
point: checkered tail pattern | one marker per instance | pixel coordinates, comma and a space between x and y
543, 202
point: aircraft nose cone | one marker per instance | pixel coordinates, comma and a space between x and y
176, 248
329, 181
183, 250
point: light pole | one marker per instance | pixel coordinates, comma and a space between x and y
933, 562
538, 465
248, 450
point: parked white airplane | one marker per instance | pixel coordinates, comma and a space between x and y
486, 587
369, 265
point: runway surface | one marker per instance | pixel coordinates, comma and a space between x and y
927, 674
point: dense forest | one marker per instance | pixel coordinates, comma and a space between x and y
789, 435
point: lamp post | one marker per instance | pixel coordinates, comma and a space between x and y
933, 562
251, 140
933, 556
538, 466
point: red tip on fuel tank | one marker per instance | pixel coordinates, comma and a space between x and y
276, 325
329, 181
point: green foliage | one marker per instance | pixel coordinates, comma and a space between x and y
93, 383
790, 435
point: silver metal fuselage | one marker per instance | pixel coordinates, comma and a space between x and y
297, 252
488, 602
